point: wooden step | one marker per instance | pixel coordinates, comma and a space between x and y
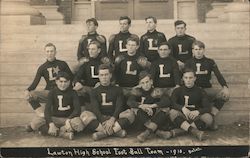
236, 91
74, 37
137, 25
31, 67
39, 56
72, 45
26, 79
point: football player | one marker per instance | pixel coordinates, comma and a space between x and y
62, 110
104, 115
203, 68
82, 51
164, 70
191, 107
181, 44
48, 71
150, 40
87, 76
150, 106
117, 42
129, 65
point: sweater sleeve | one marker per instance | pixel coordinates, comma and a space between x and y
164, 101
206, 105
177, 73
111, 47
174, 100
95, 106
79, 75
36, 79
218, 75
67, 70
48, 108
76, 104
79, 50
119, 104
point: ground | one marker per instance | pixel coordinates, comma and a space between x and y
234, 134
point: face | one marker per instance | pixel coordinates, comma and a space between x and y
104, 77
163, 51
131, 47
50, 53
62, 83
151, 25
180, 30
198, 52
124, 26
93, 50
189, 79
91, 27
146, 83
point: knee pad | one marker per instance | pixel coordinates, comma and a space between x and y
218, 103
128, 114
207, 119
173, 114
37, 122
76, 124
87, 117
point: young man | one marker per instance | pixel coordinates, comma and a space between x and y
62, 110
82, 52
117, 42
150, 106
150, 40
203, 68
129, 65
107, 102
165, 71
48, 71
191, 107
181, 44
87, 76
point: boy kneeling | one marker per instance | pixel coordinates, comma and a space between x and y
191, 106
62, 110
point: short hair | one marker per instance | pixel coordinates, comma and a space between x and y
186, 70
133, 39
50, 45
95, 43
164, 43
144, 74
92, 20
151, 17
125, 18
105, 66
198, 43
63, 75
179, 22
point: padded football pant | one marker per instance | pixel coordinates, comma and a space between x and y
201, 122
37, 97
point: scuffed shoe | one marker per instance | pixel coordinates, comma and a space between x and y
198, 134
214, 126
163, 134
143, 136
99, 135
122, 133
28, 128
177, 132
67, 135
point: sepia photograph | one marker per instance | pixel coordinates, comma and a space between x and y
124, 78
